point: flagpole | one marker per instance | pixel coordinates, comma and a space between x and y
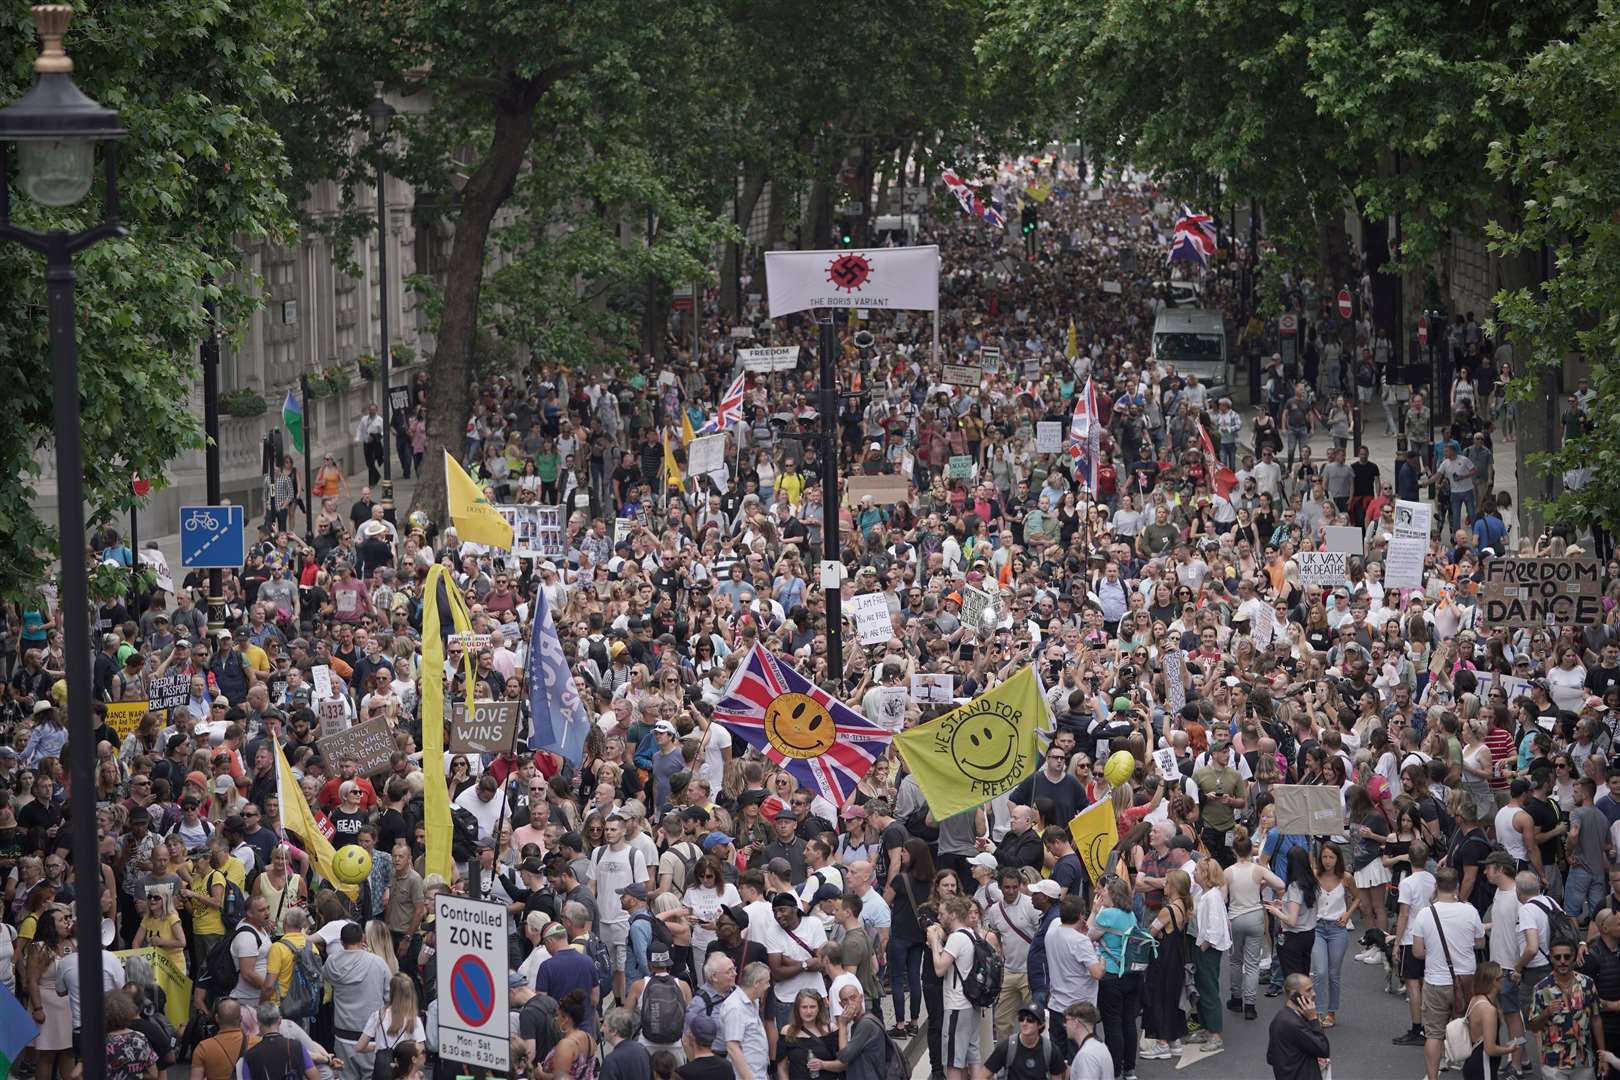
309, 434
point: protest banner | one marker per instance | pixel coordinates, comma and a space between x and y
873, 623
1413, 519
622, 528
885, 490
1403, 563
1165, 759
1326, 568
1175, 690
707, 456
980, 750
959, 467
333, 714
1095, 831
1308, 809
891, 707
1049, 437
961, 374
168, 691
933, 689
371, 743
320, 681
171, 979
1345, 538
489, 731
1541, 591
124, 716
764, 361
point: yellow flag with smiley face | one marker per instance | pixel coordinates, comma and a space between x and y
984, 748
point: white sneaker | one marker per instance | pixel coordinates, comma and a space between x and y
1175, 1048
1153, 1050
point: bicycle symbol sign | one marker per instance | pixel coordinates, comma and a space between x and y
212, 536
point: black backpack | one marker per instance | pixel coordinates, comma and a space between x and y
982, 984
220, 971
662, 1012
661, 934
463, 835
1561, 929
920, 824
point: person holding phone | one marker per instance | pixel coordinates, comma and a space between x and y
1298, 1047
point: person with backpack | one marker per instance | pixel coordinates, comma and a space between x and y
294, 970
566, 969
967, 971
1542, 925
276, 1057
216, 896
249, 950
864, 1048
1126, 949
395, 1023
1027, 1054
659, 1002
359, 979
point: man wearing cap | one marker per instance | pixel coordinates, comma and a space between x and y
566, 969
785, 845
659, 981
792, 942
1025, 1053
1223, 790
667, 760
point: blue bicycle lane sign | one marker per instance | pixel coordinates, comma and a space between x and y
212, 536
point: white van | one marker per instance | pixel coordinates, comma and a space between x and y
1194, 341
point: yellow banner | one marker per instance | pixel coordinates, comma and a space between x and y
974, 753
1095, 833
435, 792
1072, 350
297, 816
171, 979
470, 510
672, 469
687, 434
1040, 190
124, 716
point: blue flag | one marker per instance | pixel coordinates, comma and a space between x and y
557, 720
17, 1029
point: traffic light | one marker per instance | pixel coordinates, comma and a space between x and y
846, 231
1029, 218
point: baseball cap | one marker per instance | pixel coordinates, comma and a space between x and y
1026, 1012
1181, 841
780, 867
702, 1028
715, 839
664, 727
1047, 887
43, 706
984, 859
222, 784
635, 889
1122, 704
829, 891
658, 956
556, 929
784, 899
851, 811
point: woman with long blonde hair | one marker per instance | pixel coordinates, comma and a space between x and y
397, 1021
381, 942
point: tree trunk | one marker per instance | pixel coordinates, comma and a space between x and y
487, 189
733, 269
816, 231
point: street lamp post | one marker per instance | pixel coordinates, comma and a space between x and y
56, 128
380, 113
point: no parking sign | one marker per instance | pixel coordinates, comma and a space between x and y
473, 1022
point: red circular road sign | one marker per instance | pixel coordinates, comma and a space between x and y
1344, 304
139, 486
1423, 330
472, 991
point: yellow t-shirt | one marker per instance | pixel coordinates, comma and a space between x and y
206, 919
256, 656
279, 965
168, 927
27, 928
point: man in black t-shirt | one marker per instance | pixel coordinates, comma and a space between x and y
1027, 1055
1469, 850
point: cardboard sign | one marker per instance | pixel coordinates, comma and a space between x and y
892, 702
1326, 568
1032, 367
1403, 562
320, 679
1265, 626
885, 490
168, 691
1413, 519
1308, 810
990, 356
548, 529
1520, 592
1049, 437
489, 731
962, 375
832, 573
621, 530
783, 358
124, 716
873, 624
1345, 538
707, 455
1165, 759
959, 467
933, 689
333, 715
371, 743
1175, 692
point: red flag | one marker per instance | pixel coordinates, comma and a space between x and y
1223, 480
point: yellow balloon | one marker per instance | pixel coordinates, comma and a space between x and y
1121, 764
351, 865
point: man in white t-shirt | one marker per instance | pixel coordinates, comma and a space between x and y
951, 943
1092, 1061
716, 746
615, 866
1534, 963
250, 950
1507, 946
1445, 936
1417, 889
792, 943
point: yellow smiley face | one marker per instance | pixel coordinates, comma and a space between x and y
985, 746
799, 727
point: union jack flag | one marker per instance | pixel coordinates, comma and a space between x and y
730, 410
827, 746
1194, 238
1085, 436
968, 197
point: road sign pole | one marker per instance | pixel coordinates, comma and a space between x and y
210, 366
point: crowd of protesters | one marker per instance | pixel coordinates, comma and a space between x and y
677, 905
